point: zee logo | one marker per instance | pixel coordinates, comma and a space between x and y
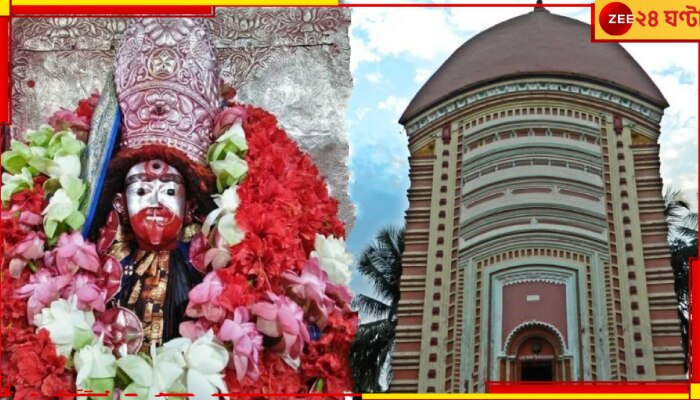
616, 19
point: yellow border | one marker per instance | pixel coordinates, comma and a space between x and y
175, 3
695, 390
542, 396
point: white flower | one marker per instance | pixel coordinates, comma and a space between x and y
229, 171
68, 165
236, 136
224, 217
64, 206
69, 328
331, 253
205, 362
15, 183
96, 367
162, 374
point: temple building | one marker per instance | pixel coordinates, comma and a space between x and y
535, 236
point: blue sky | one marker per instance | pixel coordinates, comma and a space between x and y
395, 50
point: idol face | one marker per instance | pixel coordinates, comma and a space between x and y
156, 204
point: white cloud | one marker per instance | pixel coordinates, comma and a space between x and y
689, 183
421, 33
359, 51
374, 77
668, 154
361, 112
422, 75
394, 104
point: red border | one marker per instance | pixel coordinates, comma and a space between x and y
607, 387
5, 84
492, 387
112, 11
594, 40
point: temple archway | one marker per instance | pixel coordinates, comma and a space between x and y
535, 351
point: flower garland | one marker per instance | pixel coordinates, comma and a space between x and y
268, 296
271, 315
47, 166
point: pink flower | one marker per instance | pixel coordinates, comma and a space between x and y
65, 119
280, 317
309, 290
121, 330
340, 293
85, 288
247, 344
30, 219
227, 117
202, 256
29, 249
42, 289
193, 330
198, 249
72, 253
109, 277
204, 299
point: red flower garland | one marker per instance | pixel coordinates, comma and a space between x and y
284, 204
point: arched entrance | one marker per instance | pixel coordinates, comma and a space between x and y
535, 351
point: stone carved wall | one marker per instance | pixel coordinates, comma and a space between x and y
294, 62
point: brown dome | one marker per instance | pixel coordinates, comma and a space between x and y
538, 43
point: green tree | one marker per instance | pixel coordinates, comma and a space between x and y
380, 263
683, 240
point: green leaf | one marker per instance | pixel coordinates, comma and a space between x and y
20, 148
74, 187
13, 162
41, 164
75, 220
51, 185
136, 368
50, 226
71, 145
82, 338
122, 380
319, 386
101, 385
42, 137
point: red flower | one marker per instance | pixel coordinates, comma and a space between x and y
34, 366
284, 205
86, 107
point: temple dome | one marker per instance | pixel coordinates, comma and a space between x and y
538, 43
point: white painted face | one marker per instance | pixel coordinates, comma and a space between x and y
155, 201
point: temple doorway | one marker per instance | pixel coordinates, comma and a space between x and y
535, 353
534, 371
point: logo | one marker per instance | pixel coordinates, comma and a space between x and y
616, 19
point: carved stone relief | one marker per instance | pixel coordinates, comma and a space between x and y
294, 62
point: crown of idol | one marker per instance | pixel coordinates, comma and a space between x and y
167, 85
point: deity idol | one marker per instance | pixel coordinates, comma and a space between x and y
167, 88
218, 253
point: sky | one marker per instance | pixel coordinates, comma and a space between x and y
395, 50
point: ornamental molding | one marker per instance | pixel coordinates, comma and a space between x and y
461, 102
535, 324
534, 277
231, 27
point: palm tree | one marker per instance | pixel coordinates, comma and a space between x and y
683, 240
380, 263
